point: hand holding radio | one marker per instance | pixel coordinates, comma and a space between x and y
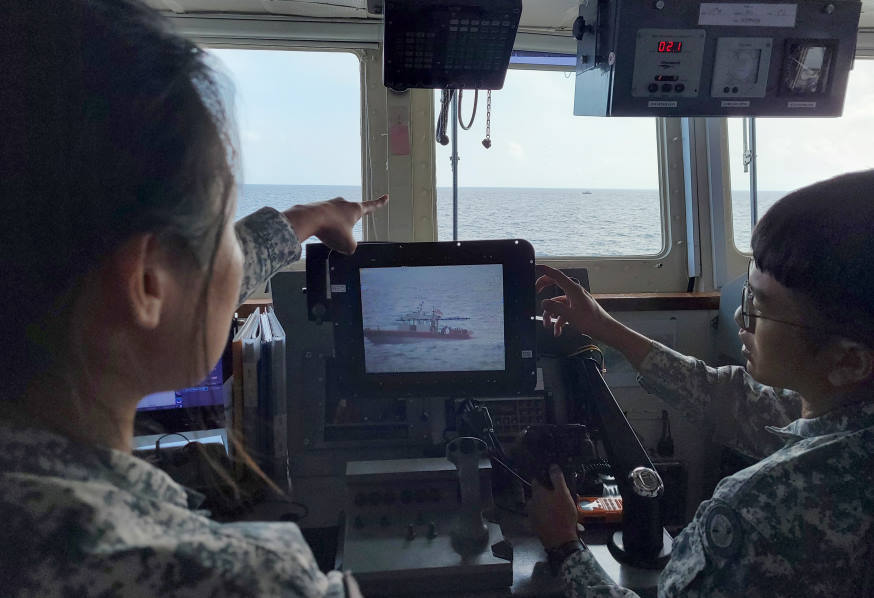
553, 513
567, 446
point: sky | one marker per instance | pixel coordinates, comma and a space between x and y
298, 115
794, 152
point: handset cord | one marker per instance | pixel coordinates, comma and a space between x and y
443, 118
472, 115
162, 437
509, 469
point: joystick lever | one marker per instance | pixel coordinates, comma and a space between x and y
470, 535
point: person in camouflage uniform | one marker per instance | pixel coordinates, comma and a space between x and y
800, 522
123, 270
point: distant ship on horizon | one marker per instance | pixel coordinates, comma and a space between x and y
411, 330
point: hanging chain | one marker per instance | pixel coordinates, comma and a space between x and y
487, 142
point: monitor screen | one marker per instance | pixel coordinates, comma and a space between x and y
209, 392
427, 319
433, 318
199, 407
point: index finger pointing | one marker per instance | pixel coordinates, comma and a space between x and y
558, 277
542, 283
373, 204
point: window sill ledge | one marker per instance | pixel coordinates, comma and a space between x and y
658, 301
609, 301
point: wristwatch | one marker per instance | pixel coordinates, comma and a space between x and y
556, 556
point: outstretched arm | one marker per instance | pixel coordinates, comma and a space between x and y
271, 240
579, 309
728, 394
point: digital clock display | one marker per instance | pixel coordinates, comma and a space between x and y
668, 46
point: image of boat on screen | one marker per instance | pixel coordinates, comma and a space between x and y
420, 325
433, 318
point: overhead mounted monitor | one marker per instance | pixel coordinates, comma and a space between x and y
428, 319
455, 44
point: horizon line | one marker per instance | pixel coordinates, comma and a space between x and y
493, 187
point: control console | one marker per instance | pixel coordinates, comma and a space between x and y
400, 532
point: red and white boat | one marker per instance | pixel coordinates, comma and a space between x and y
418, 326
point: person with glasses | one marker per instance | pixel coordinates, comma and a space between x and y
800, 522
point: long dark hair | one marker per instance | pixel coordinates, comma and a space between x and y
110, 126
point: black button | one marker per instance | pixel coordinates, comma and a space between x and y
653, 88
679, 88
666, 87
734, 90
726, 89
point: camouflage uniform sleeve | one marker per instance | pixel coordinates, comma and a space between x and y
269, 244
584, 578
727, 396
174, 571
91, 538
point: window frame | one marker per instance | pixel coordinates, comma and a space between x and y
666, 271
865, 51
414, 175
719, 258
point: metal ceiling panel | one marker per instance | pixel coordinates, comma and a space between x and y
550, 14
546, 15
343, 9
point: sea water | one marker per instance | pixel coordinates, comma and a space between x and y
557, 222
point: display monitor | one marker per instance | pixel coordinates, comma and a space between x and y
427, 319
199, 407
433, 318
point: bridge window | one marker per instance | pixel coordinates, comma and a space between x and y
572, 185
794, 152
299, 120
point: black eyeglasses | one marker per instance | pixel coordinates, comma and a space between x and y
748, 317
